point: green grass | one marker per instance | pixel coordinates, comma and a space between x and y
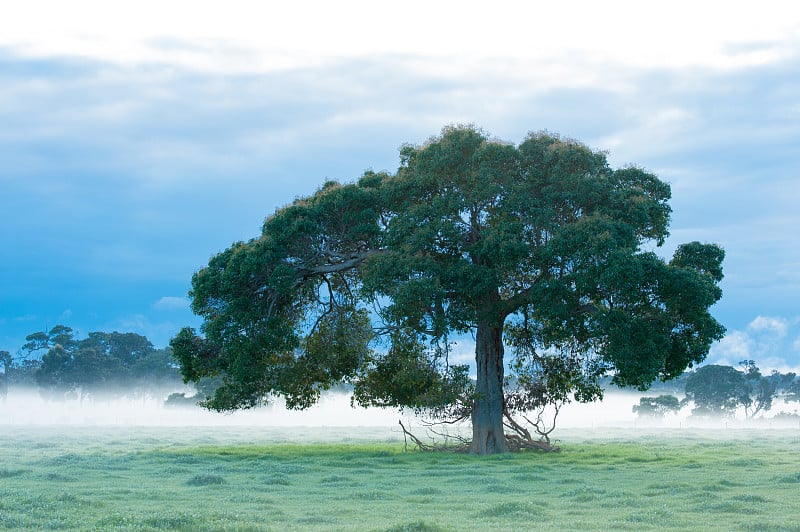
237, 479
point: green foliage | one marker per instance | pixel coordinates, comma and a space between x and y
23, 373
100, 364
761, 390
717, 390
792, 391
365, 283
657, 407
205, 388
720, 390
58, 335
549, 378
407, 376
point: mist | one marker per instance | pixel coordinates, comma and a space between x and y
26, 407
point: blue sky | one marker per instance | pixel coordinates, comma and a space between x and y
139, 139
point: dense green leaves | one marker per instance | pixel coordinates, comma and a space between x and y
717, 390
721, 390
102, 364
657, 407
365, 282
408, 376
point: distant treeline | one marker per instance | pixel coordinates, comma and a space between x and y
722, 391
103, 365
108, 365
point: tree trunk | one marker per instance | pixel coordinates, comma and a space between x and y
488, 436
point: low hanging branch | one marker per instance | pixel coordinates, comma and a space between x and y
461, 447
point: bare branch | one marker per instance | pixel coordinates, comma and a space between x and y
462, 447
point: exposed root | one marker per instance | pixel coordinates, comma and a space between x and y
521, 439
515, 442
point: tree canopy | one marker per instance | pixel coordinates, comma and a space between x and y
717, 390
540, 247
761, 389
657, 407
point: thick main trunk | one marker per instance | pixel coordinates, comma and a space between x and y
487, 410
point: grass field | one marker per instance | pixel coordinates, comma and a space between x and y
349, 479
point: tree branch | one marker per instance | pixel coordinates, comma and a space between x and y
343, 263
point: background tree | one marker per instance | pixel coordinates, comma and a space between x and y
540, 243
23, 373
128, 348
204, 390
657, 407
153, 373
6, 362
717, 390
43, 341
133, 364
762, 390
55, 373
791, 392
103, 364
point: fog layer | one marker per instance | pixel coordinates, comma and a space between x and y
334, 410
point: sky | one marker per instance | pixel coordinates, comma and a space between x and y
138, 139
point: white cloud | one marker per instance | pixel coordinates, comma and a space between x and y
771, 325
766, 340
781, 364
168, 303
735, 346
252, 35
119, 162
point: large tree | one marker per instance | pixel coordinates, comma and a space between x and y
717, 390
541, 247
